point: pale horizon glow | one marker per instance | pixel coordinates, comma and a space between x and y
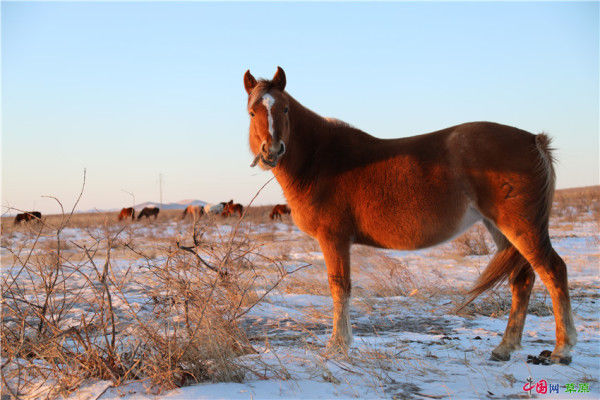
129, 91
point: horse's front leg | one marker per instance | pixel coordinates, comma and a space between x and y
337, 258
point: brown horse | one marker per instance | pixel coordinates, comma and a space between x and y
232, 208
126, 213
195, 211
28, 216
345, 186
279, 210
148, 212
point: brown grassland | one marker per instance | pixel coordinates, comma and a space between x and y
166, 302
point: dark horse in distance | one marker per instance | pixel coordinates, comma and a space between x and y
149, 212
279, 210
28, 216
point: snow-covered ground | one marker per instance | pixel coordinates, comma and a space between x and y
408, 341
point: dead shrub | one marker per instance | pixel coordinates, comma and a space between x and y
172, 316
389, 277
474, 242
576, 204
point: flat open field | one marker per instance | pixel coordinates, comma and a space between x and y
98, 309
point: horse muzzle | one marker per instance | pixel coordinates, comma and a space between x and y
267, 157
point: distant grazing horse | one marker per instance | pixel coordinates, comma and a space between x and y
28, 216
279, 210
195, 211
126, 213
214, 208
232, 208
345, 186
149, 212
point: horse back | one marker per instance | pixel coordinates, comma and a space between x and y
418, 191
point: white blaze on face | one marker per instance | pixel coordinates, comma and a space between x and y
268, 102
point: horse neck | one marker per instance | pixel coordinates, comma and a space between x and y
308, 131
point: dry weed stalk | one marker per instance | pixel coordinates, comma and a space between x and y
474, 242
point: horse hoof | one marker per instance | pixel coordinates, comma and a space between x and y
499, 356
558, 359
550, 358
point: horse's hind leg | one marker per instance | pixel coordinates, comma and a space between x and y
521, 282
534, 244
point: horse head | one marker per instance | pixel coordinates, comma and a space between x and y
268, 107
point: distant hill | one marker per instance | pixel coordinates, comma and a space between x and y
178, 205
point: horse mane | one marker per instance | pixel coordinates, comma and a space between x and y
322, 146
264, 86
338, 122
319, 146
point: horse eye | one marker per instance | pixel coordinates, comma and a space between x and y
285, 110
251, 114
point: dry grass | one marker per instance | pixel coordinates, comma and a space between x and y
171, 316
388, 277
115, 305
573, 204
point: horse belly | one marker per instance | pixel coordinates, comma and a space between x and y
421, 227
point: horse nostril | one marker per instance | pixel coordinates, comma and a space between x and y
281, 149
263, 148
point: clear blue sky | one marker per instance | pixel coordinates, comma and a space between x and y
131, 90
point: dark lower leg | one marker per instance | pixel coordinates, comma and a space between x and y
521, 283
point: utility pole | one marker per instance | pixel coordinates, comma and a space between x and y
160, 188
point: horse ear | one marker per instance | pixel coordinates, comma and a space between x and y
249, 81
279, 79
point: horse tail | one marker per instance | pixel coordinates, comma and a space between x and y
502, 265
547, 175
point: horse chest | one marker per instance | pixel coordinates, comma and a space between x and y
305, 220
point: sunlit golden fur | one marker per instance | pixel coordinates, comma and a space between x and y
126, 213
194, 211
